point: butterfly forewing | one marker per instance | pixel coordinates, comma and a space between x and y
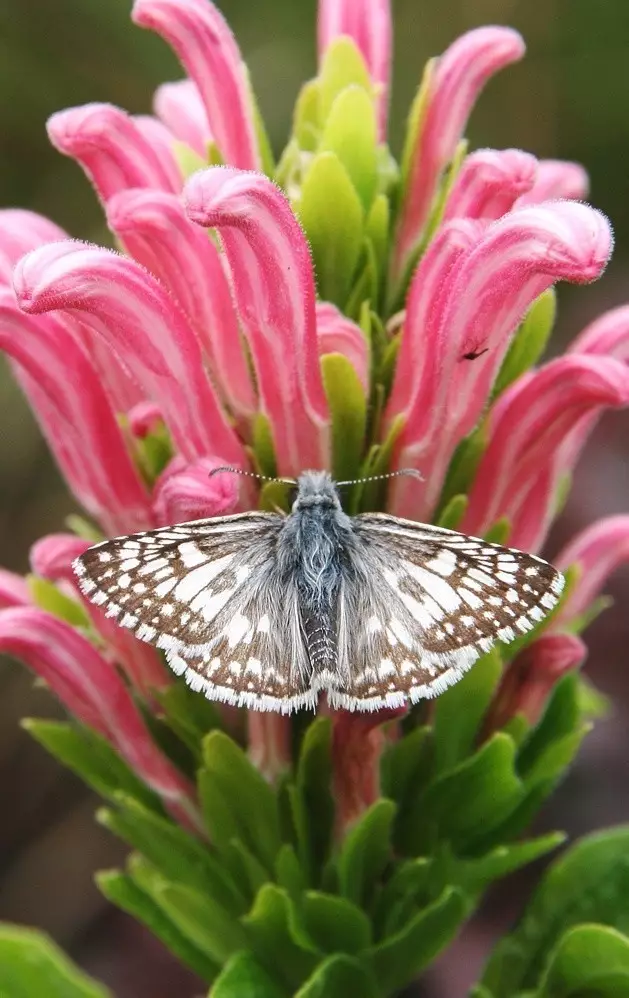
430, 602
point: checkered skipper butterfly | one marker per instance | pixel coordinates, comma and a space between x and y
266, 611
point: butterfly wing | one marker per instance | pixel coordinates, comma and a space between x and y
429, 602
208, 593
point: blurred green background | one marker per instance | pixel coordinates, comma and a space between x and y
569, 98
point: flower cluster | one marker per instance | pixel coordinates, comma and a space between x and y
343, 312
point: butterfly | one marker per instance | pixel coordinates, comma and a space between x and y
266, 610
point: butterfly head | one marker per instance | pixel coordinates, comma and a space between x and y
316, 488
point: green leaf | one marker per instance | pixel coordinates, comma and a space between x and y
311, 801
122, 891
474, 875
338, 977
267, 164
591, 961
463, 466
348, 412
277, 938
529, 342
377, 232
32, 966
416, 121
335, 236
188, 160
588, 883
189, 715
399, 959
343, 66
560, 718
83, 528
92, 758
498, 533
177, 855
237, 801
406, 770
48, 597
350, 133
479, 793
372, 495
243, 977
365, 852
399, 896
460, 710
288, 871
334, 924
307, 117
201, 920
453, 512
248, 871
364, 290
263, 448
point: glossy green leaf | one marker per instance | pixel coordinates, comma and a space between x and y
237, 801
474, 875
278, 939
176, 854
124, 892
459, 711
311, 800
591, 961
339, 976
377, 227
350, 133
335, 236
348, 412
288, 871
48, 597
400, 895
588, 883
247, 870
365, 852
406, 771
201, 920
307, 117
31, 965
343, 66
334, 924
243, 977
364, 290
401, 957
529, 342
92, 758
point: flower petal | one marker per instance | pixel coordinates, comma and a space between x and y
607, 336
489, 183
155, 231
531, 677
557, 178
368, 24
338, 334
134, 314
187, 492
460, 74
13, 590
20, 232
51, 556
597, 551
76, 417
487, 293
112, 149
180, 107
530, 447
91, 689
273, 286
201, 37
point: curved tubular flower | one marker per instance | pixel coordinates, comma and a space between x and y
529, 449
51, 556
203, 41
13, 590
531, 677
459, 76
76, 417
597, 552
113, 149
489, 183
91, 689
274, 289
187, 492
488, 291
155, 231
134, 314
608, 335
180, 107
338, 334
20, 232
557, 178
368, 24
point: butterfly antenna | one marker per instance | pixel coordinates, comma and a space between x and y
411, 472
250, 474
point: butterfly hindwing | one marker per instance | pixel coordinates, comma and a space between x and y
430, 602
